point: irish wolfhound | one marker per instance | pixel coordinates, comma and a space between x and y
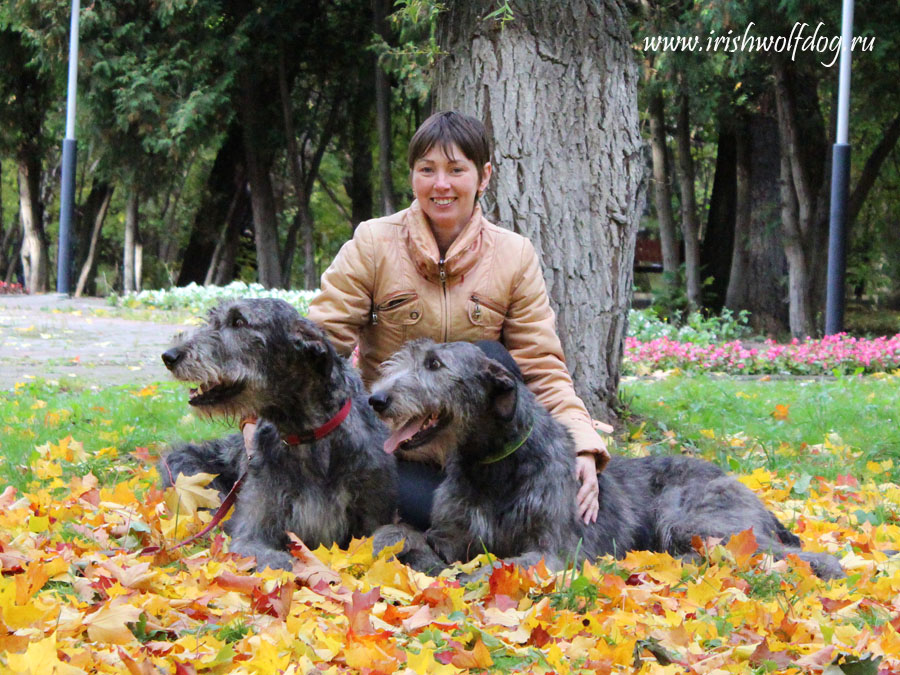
510, 482
318, 469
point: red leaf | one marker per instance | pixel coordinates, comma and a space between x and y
276, 603
358, 611
763, 653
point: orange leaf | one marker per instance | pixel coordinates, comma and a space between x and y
742, 546
780, 412
477, 657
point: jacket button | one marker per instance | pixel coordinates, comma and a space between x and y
413, 315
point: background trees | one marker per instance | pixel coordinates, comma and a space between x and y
761, 120
224, 139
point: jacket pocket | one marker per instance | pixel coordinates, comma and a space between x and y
488, 314
401, 308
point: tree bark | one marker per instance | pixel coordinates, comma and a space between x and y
718, 244
690, 220
383, 114
556, 89
226, 180
99, 217
758, 240
736, 296
662, 186
803, 196
255, 122
35, 253
132, 236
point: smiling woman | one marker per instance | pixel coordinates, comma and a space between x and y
440, 270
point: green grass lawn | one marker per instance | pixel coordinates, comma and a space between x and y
110, 422
784, 425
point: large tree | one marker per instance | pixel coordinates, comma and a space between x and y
557, 89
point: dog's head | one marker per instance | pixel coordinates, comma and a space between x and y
434, 396
244, 346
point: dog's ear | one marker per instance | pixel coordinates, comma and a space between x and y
503, 390
314, 349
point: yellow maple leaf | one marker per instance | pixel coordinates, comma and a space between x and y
109, 624
190, 493
41, 658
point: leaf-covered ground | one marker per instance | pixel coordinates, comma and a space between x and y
92, 583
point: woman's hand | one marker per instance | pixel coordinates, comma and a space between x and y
588, 494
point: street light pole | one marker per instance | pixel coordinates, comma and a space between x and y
840, 186
69, 155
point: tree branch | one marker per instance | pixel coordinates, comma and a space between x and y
871, 170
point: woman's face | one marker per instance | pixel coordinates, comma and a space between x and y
446, 184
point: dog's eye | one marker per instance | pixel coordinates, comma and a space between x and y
433, 363
238, 322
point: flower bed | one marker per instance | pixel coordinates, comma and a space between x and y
833, 355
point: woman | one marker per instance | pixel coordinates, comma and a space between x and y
439, 269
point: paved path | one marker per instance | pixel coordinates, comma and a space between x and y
59, 338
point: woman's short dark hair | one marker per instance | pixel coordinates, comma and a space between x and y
446, 128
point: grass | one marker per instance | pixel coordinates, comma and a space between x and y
109, 421
783, 425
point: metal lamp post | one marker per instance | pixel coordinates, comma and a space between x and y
840, 185
69, 153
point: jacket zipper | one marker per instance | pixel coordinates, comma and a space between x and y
479, 302
443, 275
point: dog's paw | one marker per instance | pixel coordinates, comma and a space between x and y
276, 560
387, 536
825, 565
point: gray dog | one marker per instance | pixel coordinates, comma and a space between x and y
510, 482
318, 469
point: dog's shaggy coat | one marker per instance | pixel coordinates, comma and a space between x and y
510, 483
259, 357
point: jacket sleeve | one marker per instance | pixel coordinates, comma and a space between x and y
529, 333
345, 303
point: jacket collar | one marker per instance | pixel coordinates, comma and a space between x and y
462, 255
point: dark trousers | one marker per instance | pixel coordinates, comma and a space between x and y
418, 480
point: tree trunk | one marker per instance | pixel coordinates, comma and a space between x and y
662, 186
227, 179
35, 248
129, 269
567, 158
803, 194
690, 221
736, 295
99, 217
383, 114
259, 160
359, 182
761, 289
718, 244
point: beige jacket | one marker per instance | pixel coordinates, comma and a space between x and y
388, 285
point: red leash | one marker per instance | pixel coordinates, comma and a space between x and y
294, 439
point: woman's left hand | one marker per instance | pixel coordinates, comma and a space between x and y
589, 492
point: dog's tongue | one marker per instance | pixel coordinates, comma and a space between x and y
404, 433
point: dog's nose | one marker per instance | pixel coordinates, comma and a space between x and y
171, 357
380, 401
